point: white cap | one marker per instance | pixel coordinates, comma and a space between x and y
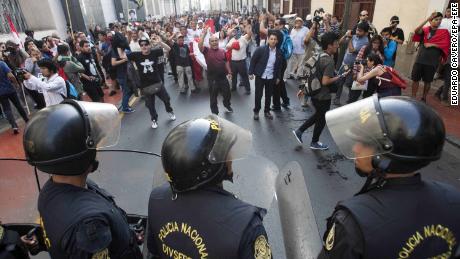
200, 21
308, 17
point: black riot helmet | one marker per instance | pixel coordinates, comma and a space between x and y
62, 139
196, 152
403, 134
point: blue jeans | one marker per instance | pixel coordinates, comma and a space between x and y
127, 92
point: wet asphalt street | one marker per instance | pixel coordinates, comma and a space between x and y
327, 176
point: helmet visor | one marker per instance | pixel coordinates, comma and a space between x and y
232, 142
104, 123
358, 125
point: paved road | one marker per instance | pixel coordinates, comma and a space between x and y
327, 176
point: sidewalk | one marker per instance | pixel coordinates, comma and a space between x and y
11, 145
449, 114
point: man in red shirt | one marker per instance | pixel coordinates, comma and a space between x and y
218, 72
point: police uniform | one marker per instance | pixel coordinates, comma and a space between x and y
84, 223
11, 246
406, 218
205, 223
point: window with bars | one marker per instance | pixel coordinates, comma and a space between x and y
12, 9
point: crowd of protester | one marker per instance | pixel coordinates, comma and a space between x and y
227, 49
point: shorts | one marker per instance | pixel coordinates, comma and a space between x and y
423, 72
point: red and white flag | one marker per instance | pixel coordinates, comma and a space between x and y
14, 32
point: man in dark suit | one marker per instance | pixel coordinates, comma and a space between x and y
266, 67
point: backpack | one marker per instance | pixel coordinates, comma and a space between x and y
311, 75
287, 46
71, 91
396, 79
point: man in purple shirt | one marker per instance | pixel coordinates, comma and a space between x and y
218, 72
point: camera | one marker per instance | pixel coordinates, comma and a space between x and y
19, 73
362, 62
317, 19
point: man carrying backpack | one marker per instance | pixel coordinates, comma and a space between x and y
286, 47
321, 98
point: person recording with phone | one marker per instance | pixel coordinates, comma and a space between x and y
379, 76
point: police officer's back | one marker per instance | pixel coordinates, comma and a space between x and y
80, 220
193, 216
396, 214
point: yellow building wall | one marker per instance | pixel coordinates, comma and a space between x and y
410, 12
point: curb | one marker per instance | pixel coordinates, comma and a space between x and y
453, 140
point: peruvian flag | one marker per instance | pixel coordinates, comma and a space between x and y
15, 33
441, 38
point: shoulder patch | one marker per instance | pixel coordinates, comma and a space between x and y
330, 238
2, 232
104, 254
262, 248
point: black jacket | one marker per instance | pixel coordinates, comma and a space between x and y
259, 62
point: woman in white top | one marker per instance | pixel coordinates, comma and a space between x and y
52, 85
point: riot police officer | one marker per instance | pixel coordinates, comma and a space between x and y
192, 216
80, 220
396, 214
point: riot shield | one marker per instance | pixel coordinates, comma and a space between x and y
301, 237
128, 177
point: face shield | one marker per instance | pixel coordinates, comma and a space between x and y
104, 124
359, 124
232, 141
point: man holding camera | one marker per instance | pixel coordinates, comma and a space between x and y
355, 43
90, 78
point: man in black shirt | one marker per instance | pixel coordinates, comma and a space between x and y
91, 79
183, 63
397, 34
147, 66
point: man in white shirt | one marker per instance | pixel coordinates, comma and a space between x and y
298, 34
447, 20
53, 87
239, 55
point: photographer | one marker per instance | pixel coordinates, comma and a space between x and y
31, 66
379, 76
53, 86
355, 43
374, 47
8, 93
322, 100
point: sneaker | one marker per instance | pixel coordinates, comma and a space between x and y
298, 135
319, 146
229, 109
15, 131
172, 116
268, 115
129, 110
154, 124
256, 116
